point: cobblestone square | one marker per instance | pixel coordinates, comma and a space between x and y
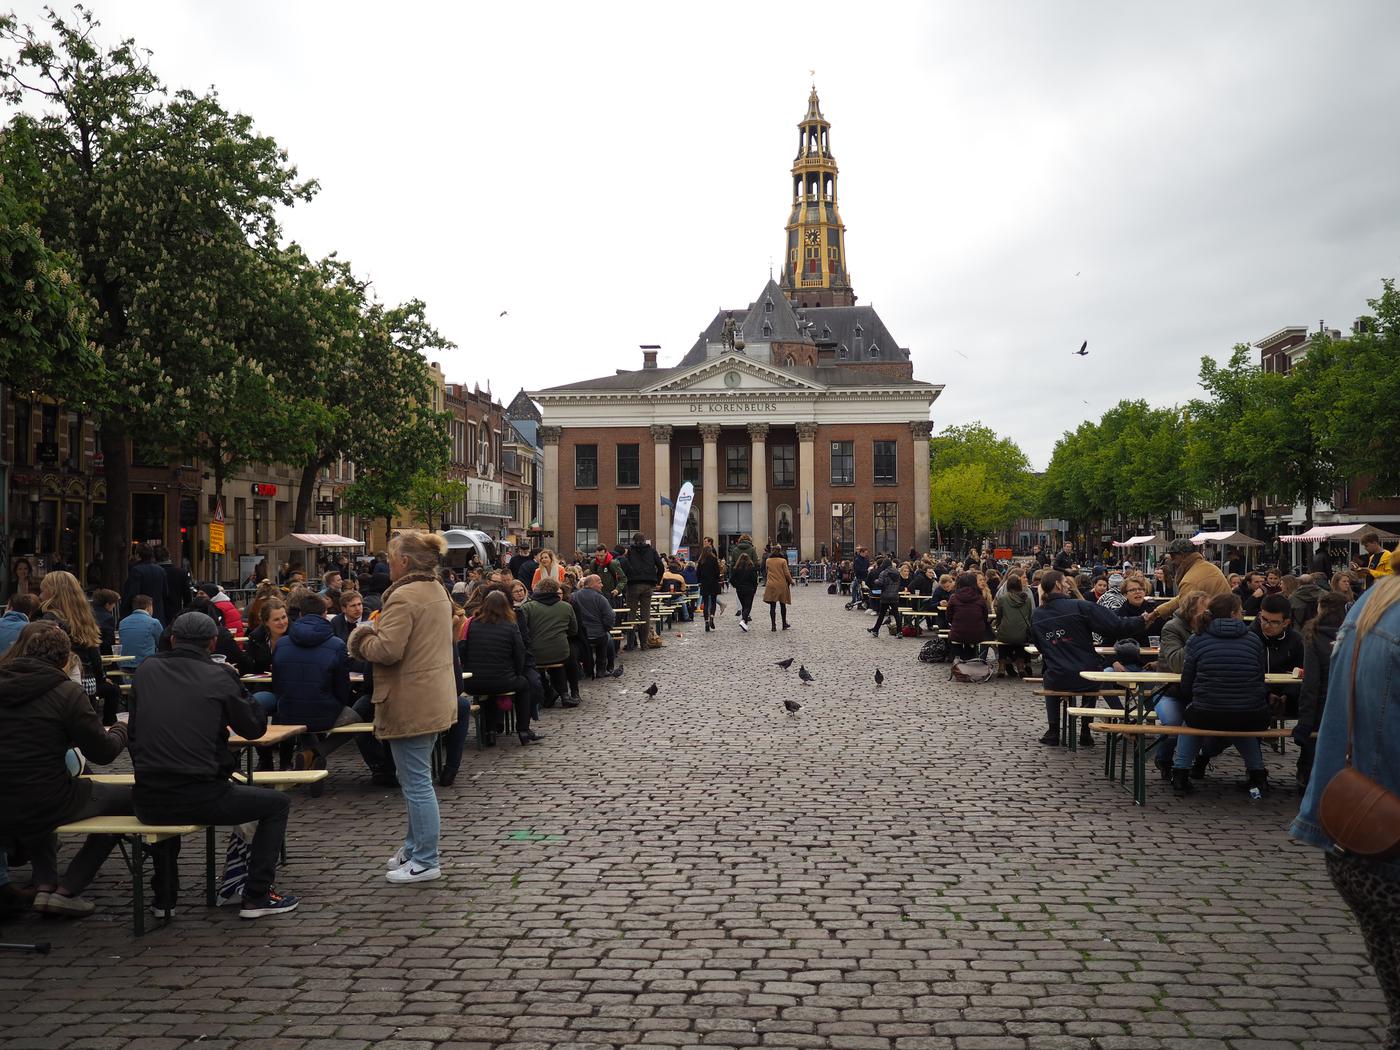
900, 868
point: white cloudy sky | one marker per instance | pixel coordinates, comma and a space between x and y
613, 174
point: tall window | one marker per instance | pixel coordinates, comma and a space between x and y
629, 521
843, 529
843, 462
585, 527
784, 466
887, 527
75, 441
885, 458
736, 467
629, 465
692, 464
586, 471
23, 431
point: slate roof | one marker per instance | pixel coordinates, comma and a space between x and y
824, 375
830, 327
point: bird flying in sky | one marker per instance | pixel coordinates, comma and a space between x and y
1083, 350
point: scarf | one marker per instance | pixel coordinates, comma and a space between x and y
407, 578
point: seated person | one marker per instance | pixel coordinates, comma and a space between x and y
104, 611
311, 679
552, 625
185, 704
596, 618
493, 651
1283, 650
672, 582
140, 631
1222, 687
43, 714
22, 608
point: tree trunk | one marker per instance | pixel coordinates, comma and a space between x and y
116, 516
304, 490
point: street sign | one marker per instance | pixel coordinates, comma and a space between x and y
325, 508
216, 537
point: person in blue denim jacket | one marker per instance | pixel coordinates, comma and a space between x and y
1370, 888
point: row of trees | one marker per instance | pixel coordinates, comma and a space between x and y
1252, 438
144, 280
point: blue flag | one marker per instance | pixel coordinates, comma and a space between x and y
666, 503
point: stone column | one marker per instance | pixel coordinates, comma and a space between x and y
661, 439
549, 491
709, 493
758, 483
921, 429
806, 488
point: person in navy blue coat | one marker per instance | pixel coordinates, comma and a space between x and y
1222, 686
1064, 629
311, 678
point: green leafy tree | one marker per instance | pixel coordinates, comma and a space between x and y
154, 196
1005, 464
432, 494
1359, 416
966, 497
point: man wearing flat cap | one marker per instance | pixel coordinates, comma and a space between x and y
1192, 573
183, 704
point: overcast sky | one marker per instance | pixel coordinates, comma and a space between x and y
1164, 181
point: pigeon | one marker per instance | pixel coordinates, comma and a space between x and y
785, 664
805, 675
879, 678
1083, 350
503, 313
792, 706
651, 690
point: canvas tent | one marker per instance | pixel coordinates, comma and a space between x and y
1226, 540
1136, 541
303, 547
467, 547
1339, 534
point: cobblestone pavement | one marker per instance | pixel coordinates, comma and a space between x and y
900, 869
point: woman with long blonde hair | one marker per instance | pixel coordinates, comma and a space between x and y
61, 595
1361, 727
549, 569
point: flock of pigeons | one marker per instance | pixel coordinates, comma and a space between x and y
791, 706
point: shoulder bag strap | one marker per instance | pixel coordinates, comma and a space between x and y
1351, 700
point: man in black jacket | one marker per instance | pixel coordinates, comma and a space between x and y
146, 577
183, 705
178, 587
643, 568
1283, 650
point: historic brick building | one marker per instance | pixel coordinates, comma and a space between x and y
797, 417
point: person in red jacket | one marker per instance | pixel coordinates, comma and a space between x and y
233, 619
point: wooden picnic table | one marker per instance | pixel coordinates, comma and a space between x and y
118, 659
274, 735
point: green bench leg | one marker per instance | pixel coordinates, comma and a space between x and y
136, 863
210, 890
1139, 770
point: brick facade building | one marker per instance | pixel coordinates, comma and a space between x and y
797, 418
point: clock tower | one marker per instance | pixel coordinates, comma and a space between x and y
814, 267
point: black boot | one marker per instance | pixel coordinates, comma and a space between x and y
1198, 767
1258, 778
1181, 782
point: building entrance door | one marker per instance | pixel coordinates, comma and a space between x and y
735, 519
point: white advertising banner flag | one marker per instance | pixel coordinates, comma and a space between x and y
682, 512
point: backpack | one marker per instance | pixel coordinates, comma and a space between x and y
972, 671
912, 630
934, 651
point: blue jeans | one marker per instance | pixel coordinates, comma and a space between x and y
267, 701
1188, 747
707, 605
1169, 713
413, 761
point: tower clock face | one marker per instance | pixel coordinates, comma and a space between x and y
814, 237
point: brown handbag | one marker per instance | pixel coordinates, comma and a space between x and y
1359, 814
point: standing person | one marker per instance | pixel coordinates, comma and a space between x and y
707, 575
1065, 560
547, 569
1222, 687
1014, 611
892, 580
643, 568
183, 706
609, 570
860, 566
1063, 628
1191, 573
145, 577
1319, 639
744, 577
777, 587
1379, 562
140, 631
178, 588
415, 688
1361, 727
43, 713
744, 545
525, 568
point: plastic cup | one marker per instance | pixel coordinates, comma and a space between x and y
218, 658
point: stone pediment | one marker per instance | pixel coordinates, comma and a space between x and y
734, 374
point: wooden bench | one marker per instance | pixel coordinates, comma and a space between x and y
351, 727
1140, 733
135, 840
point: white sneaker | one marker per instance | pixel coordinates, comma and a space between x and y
413, 873
399, 859
744, 626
